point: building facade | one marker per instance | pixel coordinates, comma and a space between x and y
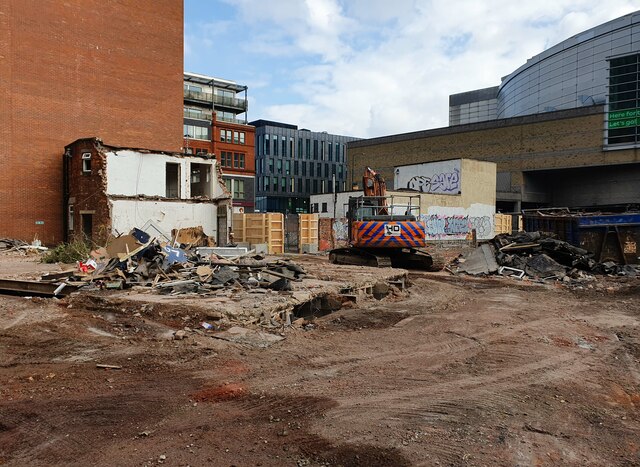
292, 164
109, 190
566, 129
215, 123
73, 69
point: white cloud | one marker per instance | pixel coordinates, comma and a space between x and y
383, 68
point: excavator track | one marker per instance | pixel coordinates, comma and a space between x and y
359, 257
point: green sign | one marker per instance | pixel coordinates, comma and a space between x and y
624, 114
624, 118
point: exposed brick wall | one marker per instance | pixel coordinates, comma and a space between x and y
325, 234
554, 140
86, 192
79, 69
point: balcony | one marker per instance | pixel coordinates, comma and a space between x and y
197, 114
221, 101
237, 121
231, 102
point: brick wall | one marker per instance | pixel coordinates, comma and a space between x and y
562, 139
248, 148
79, 69
86, 192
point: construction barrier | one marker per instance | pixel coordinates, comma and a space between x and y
308, 230
260, 228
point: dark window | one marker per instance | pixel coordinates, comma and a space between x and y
267, 145
308, 148
172, 180
304, 168
275, 145
87, 225
315, 149
330, 151
324, 207
295, 167
284, 146
299, 148
315, 187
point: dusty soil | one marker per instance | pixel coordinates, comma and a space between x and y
454, 372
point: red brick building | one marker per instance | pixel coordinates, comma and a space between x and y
215, 122
77, 69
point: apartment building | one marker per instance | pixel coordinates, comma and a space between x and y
292, 164
215, 123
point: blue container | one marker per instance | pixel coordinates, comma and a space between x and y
610, 237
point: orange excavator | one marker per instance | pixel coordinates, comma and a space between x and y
383, 230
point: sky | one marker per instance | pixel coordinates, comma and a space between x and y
369, 68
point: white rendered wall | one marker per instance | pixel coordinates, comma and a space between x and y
132, 173
456, 223
168, 215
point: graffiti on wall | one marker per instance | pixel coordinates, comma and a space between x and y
439, 227
448, 182
442, 177
341, 230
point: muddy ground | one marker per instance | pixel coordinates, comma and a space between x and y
452, 372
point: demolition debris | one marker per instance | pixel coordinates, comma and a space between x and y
537, 255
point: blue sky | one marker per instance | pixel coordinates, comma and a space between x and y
372, 67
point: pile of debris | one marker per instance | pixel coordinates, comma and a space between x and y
137, 259
538, 255
11, 244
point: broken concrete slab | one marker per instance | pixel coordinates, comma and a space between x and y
253, 338
543, 266
482, 260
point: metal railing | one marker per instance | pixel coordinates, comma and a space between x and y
224, 101
384, 207
231, 120
197, 114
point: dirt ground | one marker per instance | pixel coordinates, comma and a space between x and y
454, 371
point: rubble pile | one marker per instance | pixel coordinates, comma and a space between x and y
139, 260
11, 244
537, 255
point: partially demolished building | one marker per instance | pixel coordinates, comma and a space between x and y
109, 190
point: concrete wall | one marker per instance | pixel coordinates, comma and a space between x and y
167, 215
133, 173
77, 69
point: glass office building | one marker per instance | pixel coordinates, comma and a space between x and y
292, 164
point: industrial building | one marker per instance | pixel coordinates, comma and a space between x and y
215, 123
563, 128
77, 69
292, 164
